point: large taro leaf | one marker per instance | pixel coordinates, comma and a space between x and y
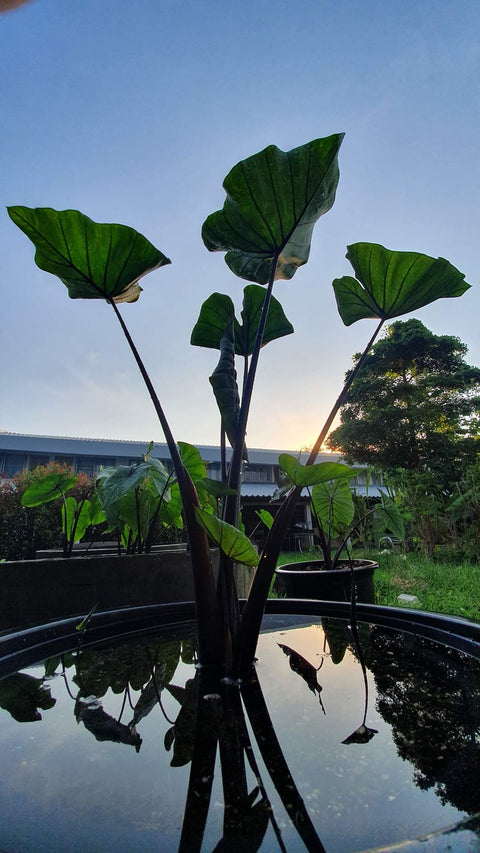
389, 284
192, 460
122, 481
49, 488
333, 506
229, 539
217, 312
94, 261
308, 475
273, 202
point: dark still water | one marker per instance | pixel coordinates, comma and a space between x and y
97, 746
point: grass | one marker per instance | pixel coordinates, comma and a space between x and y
440, 586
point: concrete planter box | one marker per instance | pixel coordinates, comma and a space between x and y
37, 591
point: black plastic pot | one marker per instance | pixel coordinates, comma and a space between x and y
311, 580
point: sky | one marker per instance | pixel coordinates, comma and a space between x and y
134, 111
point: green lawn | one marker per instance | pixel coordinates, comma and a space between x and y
440, 586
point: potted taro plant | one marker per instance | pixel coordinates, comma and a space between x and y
336, 524
273, 200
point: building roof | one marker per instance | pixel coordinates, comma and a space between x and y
25, 443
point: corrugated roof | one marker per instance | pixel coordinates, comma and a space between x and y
69, 445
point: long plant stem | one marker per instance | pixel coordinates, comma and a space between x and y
231, 506
253, 612
208, 617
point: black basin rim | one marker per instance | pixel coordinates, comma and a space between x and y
32, 645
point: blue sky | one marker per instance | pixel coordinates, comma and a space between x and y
133, 111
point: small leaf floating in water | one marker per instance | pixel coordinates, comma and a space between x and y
361, 735
305, 669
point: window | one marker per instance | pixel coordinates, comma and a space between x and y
65, 460
12, 463
257, 474
35, 460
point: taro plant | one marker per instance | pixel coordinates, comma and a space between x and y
333, 508
273, 200
77, 515
136, 498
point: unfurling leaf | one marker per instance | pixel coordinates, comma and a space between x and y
389, 284
224, 383
273, 202
94, 260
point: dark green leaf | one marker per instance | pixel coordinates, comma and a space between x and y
94, 261
393, 283
308, 475
229, 539
277, 325
217, 313
273, 201
51, 487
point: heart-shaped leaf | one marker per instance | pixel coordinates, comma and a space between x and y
217, 312
49, 488
308, 475
94, 261
333, 506
229, 539
389, 284
192, 460
77, 514
273, 202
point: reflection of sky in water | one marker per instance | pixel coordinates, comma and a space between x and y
61, 789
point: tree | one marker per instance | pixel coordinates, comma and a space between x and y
413, 406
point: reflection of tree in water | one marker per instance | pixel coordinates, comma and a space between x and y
430, 695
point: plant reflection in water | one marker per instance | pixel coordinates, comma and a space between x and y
433, 715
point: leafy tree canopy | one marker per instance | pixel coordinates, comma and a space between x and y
414, 405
